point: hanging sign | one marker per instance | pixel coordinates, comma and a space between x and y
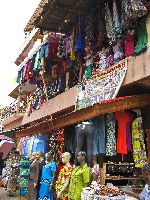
102, 86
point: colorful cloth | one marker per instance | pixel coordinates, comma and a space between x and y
64, 174
80, 176
139, 150
46, 179
110, 136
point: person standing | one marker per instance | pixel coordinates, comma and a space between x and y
47, 179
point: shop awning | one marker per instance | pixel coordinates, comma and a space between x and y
58, 15
9, 133
109, 106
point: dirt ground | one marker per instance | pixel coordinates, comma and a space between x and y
3, 195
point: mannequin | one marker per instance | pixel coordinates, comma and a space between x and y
47, 178
33, 178
41, 164
62, 182
84, 133
80, 178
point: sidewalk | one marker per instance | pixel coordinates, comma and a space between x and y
3, 195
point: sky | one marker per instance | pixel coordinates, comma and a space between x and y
14, 16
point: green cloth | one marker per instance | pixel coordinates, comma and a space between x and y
79, 177
142, 39
19, 77
88, 72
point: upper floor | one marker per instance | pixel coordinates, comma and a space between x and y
87, 45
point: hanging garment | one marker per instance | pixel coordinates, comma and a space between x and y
110, 135
72, 55
139, 150
109, 25
79, 39
125, 14
137, 9
99, 135
129, 44
116, 22
148, 30
118, 51
142, 39
123, 118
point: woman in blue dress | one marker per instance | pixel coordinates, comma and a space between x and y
47, 179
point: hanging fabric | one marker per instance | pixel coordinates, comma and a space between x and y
116, 22
79, 40
109, 25
72, 55
137, 9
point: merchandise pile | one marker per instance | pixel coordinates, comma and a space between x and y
102, 192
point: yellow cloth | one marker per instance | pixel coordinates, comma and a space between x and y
148, 30
72, 56
139, 150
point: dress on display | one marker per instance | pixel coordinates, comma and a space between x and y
64, 173
46, 179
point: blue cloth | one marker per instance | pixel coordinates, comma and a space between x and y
39, 144
46, 179
26, 146
99, 135
145, 194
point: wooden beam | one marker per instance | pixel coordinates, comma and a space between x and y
87, 113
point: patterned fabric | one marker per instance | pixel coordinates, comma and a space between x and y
110, 136
139, 150
137, 9
145, 194
116, 22
125, 13
64, 174
109, 25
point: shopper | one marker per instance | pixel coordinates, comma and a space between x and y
145, 194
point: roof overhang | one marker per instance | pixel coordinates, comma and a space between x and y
77, 116
28, 44
58, 15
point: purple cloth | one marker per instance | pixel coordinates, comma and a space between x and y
129, 137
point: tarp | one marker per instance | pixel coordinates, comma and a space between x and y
6, 146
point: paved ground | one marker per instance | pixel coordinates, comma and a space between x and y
3, 195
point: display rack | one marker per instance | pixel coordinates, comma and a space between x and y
132, 179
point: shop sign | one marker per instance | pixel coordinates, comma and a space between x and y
102, 86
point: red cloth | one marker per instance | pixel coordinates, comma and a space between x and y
129, 45
123, 118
